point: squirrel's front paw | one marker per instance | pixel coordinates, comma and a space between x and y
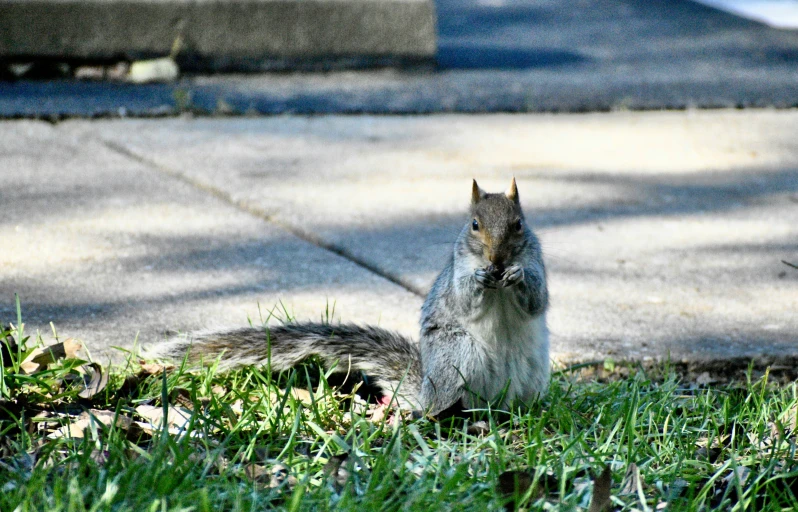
486, 278
513, 275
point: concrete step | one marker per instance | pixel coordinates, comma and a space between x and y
219, 35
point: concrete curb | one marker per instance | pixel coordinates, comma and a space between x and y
218, 35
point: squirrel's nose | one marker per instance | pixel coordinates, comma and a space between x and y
497, 260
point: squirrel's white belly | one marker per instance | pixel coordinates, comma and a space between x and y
513, 349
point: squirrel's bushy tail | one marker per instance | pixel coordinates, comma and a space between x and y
391, 360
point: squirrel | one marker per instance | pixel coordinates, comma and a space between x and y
483, 338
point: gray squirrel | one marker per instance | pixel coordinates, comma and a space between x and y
483, 326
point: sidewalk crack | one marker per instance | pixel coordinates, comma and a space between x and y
259, 213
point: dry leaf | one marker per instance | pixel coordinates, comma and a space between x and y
144, 430
740, 473
273, 477
601, 491
631, 481
182, 397
155, 368
177, 418
256, 473
303, 395
100, 457
138, 434
211, 460
704, 379
377, 413
129, 386
784, 427
281, 476
94, 380
237, 407
84, 421
42, 357
336, 471
480, 428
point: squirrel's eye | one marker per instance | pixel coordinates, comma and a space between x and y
475, 225
518, 225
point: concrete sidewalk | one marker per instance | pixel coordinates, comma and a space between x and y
663, 231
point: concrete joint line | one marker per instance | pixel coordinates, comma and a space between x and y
257, 212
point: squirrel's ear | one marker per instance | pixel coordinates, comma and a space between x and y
477, 194
512, 192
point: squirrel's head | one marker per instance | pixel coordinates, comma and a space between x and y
497, 230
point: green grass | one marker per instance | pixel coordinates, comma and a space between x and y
251, 444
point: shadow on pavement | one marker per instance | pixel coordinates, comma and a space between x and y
247, 261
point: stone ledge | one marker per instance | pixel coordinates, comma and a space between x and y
221, 34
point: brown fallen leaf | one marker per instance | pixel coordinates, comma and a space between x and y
271, 477
303, 395
129, 386
42, 357
138, 435
77, 428
704, 379
784, 427
601, 491
94, 380
177, 418
631, 481
182, 397
376, 414
281, 475
480, 428
336, 470
740, 473
214, 462
154, 368
100, 457
256, 473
